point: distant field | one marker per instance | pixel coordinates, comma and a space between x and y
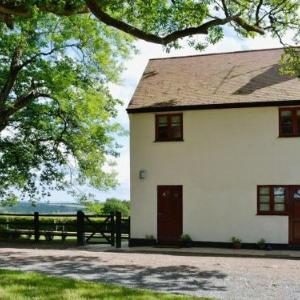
46, 208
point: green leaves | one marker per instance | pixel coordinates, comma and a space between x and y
57, 119
290, 62
166, 22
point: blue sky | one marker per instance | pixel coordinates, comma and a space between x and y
130, 77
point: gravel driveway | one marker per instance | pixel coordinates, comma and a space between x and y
217, 277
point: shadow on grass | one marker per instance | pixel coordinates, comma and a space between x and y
175, 279
18, 285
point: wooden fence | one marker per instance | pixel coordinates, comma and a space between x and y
85, 228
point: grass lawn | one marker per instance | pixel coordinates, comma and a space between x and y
15, 285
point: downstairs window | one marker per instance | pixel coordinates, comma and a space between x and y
272, 199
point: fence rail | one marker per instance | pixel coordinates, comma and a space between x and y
86, 228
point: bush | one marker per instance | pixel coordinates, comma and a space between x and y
236, 242
62, 224
186, 238
261, 244
113, 205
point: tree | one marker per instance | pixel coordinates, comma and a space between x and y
56, 127
166, 21
290, 62
93, 206
112, 205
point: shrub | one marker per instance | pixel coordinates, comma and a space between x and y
113, 205
186, 238
149, 237
261, 243
236, 240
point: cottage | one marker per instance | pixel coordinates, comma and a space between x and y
215, 150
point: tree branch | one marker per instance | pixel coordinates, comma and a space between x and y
24, 100
11, 76
202, 29
34, 57
225, 8
257, 11
271, 11
94, 6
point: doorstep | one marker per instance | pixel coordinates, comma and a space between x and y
203, 251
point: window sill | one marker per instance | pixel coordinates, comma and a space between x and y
288, 136
272, 214
161, 141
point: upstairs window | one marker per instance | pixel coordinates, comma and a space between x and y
289, 122
169, 127
272, 200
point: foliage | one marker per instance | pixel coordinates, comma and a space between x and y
236, 240
261, 244
46, 223
56, 112
290, 62
21, 286
94, 207
111, 205
186, 238
166, 22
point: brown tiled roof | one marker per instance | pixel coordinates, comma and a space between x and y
245, 78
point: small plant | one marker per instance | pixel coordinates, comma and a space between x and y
261, 244
149, 237
186, 240
236, 242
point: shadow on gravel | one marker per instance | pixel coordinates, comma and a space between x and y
176, 279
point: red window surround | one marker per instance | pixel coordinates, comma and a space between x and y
169, 127
289, 122
273, 199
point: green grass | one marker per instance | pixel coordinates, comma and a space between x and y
15, 285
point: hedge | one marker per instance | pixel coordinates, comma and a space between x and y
67, 224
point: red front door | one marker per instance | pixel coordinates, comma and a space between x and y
169, 214
294, 216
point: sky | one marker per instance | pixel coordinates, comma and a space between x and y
134, 68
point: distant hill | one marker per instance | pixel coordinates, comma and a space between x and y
45, 208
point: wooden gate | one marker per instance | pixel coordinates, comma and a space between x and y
100, 231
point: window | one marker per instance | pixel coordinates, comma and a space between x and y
272, 199
169, 127
289, 121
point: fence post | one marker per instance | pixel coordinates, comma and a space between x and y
36, 226
129, 226
112, 229
80, 228
118, 229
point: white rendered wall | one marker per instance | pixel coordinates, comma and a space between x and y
225, 154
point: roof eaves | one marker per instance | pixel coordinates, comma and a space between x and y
214, 106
